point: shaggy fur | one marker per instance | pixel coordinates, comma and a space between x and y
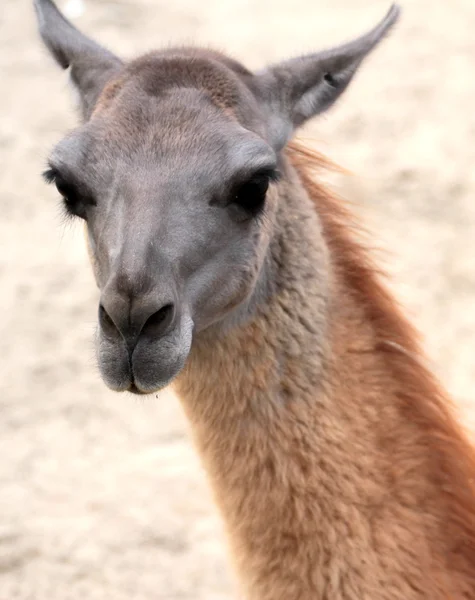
333, 453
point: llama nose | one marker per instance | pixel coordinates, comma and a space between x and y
132, 319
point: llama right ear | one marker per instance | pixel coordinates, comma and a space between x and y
91, 65
300, 88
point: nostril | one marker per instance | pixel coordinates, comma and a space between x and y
106, 323
160, 321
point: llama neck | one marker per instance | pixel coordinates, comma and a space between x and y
325, 475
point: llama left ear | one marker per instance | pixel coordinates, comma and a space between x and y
300, 88
91, 66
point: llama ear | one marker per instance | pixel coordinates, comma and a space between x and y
91, 65
300, 88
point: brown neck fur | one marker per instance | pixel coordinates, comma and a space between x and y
333, 453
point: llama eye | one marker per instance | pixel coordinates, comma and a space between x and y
73, 202
250, 196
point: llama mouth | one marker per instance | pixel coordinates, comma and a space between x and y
150, 366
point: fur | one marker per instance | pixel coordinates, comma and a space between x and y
333, 453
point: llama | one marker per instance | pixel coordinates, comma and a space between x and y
225, 267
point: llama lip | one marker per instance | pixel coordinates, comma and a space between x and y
150, 366
133, 389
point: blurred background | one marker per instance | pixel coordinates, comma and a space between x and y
101, 495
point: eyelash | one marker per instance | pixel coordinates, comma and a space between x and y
250, 195
74, 204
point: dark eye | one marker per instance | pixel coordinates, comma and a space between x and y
74, 202
250, 196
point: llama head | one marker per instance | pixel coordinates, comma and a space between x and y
174, 170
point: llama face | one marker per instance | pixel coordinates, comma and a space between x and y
178, 203
173, 171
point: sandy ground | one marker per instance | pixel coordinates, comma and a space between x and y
101, 495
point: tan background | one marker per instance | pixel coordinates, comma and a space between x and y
101, 495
